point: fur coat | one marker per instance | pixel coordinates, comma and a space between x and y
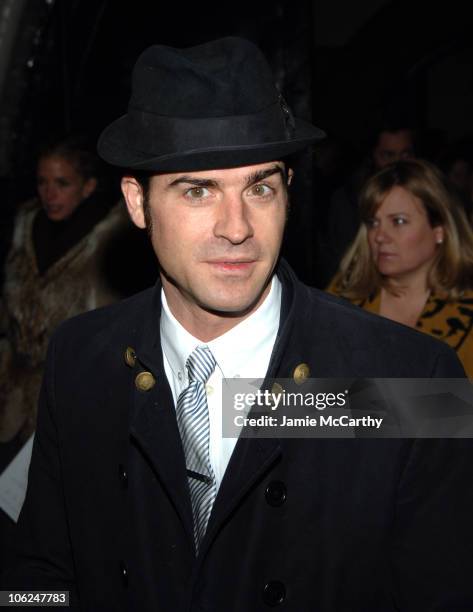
34, 305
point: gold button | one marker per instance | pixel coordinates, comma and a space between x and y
277, 389
130, 357
301, 373
145, 381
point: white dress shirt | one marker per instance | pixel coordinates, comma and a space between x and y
242, 352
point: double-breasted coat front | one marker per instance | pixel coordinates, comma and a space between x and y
302, 525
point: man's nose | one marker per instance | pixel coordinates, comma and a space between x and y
233, 222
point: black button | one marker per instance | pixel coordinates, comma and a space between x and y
276, 493
274, 593
123, 475
124, 573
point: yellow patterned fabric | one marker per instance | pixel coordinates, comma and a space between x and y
447, 320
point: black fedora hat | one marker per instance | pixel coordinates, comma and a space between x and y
210, 106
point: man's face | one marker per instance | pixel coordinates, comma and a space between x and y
392, 147
217, 235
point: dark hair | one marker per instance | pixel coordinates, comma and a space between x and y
391, 122
72, 150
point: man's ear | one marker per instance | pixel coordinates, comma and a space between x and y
134, 198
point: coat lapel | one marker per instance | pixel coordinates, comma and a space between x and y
251, 459
153, 422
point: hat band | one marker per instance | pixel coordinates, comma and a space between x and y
150, 134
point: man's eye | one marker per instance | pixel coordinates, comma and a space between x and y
261, 190
197, 193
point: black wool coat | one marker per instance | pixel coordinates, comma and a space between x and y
332, 525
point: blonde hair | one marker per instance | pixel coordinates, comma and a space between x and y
451, 272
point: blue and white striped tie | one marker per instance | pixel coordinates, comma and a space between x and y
193, 421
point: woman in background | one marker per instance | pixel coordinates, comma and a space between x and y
54, 270
412, 259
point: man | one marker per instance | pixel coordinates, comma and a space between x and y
390, 141
392, 144
135, 501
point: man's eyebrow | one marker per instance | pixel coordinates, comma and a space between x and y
253, 178
192, 180
260, 175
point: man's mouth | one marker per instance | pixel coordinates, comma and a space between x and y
232, 265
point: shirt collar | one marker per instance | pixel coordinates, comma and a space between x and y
230, 350
177, 343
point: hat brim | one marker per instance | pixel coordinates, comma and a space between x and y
114, 148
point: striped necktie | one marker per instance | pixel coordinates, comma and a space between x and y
193, 422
